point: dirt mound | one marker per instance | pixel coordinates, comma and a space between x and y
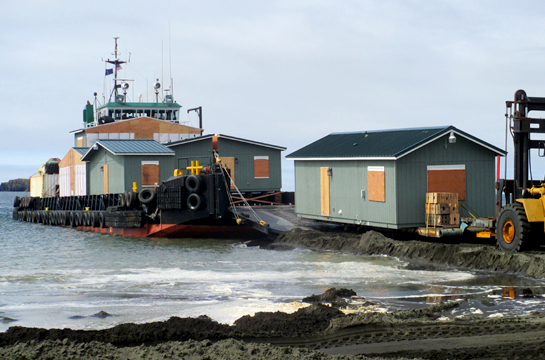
303, 322
387, 319
174, 329
467, 256
332, 296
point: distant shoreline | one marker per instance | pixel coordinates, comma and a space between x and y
15, 185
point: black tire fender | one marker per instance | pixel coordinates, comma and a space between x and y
147, 196
131, 199
73, 219
193, 183
101, 220
194, 201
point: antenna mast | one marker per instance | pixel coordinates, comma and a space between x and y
117, 65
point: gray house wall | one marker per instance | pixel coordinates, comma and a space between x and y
349, 178
405, 185
123, 170
133, 169
244, 161
115, 172
196, 150
412, 180
244, 165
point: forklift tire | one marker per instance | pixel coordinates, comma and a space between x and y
513, 228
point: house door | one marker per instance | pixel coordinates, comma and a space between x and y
324, 190
105, 170
229, 163
447, 178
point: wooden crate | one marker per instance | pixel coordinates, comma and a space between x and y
437, 209
438, 220
441, 198
454, 219
454, 208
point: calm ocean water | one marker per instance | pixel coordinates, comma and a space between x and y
57, 277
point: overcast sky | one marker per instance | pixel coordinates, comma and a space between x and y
281, 72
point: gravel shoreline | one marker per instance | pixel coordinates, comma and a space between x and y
318, 331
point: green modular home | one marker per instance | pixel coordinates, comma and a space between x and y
255, 166
113, 165
380, 178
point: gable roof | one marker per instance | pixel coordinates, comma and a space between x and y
129, 147
210, 136
379, 145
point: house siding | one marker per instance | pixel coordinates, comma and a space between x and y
116, 174
244, 165
412, 178
133, 169
242, 152
348, 180
197, 150
406, 183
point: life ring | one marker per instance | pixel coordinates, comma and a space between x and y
193, 183
194, 201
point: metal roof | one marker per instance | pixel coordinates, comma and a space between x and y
379, 145
210, 136
81, 150
130, 147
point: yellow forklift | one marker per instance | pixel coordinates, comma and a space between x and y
520, 221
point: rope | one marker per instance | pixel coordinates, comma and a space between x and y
427, 218
261, 222
462, 205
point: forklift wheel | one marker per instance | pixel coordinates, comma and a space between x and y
512, 228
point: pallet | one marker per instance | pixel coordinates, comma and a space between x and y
442, 209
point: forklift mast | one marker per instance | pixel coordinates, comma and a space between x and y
522, 127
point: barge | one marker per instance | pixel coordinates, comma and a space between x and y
134, 171
194, 205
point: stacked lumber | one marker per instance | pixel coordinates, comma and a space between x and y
442, 209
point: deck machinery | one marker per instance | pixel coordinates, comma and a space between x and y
520, 222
